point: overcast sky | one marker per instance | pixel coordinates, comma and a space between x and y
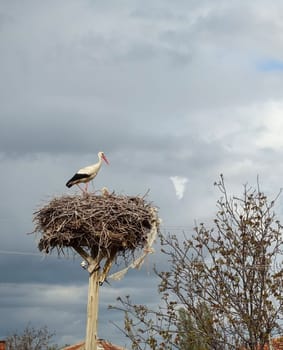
184, 89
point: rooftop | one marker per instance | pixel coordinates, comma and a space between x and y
102, 345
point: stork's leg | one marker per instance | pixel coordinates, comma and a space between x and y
80, 188
86, 187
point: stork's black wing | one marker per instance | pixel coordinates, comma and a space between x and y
77, 178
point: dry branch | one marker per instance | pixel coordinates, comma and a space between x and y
101, 223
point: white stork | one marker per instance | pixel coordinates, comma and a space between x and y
87, 174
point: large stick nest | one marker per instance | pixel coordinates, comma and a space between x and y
98, 222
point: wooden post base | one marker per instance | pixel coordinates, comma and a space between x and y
92, 311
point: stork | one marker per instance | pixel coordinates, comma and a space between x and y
86, 174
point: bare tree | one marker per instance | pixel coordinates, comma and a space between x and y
192, 331
234, 268
31, 339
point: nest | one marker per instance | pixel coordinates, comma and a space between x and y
103, 223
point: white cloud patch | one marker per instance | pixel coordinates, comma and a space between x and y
272, 126
179, 184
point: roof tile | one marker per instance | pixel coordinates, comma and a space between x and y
102, 345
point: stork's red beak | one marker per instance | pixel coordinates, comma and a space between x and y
105, 159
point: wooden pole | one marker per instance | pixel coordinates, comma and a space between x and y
93, 260
95, 280
92, 311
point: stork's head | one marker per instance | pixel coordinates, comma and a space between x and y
101, 155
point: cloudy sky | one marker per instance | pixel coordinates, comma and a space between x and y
185, 89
